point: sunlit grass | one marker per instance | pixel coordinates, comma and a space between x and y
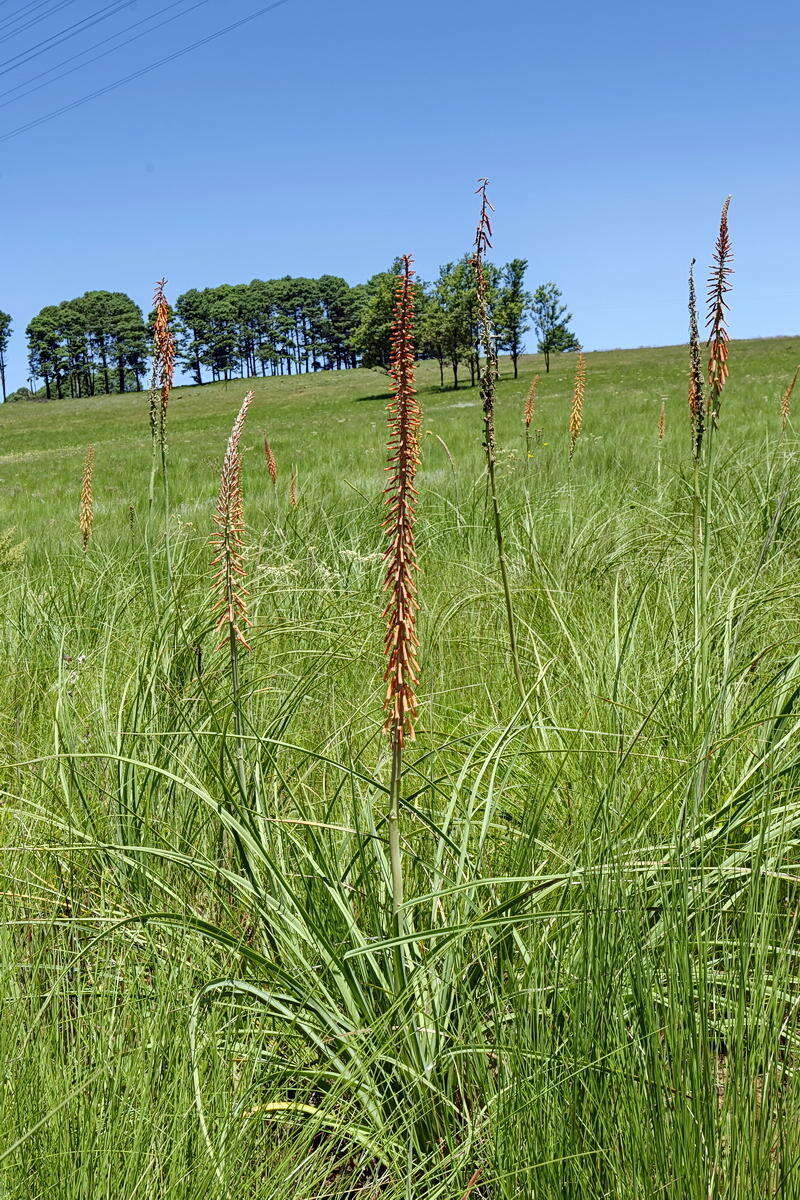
601, 893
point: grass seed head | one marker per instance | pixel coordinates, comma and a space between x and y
400, 556
293, 488
662, 421
230, 607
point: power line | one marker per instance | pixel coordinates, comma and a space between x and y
21, 26
64, 35
142, 71
50, 77
24, 9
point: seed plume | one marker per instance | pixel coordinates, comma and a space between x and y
272, 466
576, 408
718, 286
400, 556
86, 506
697, 413
228, 540
293, 488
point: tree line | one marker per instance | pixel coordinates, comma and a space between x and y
99, 342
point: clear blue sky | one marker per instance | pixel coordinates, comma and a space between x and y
329, 137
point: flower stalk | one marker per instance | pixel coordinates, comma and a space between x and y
160, 389
86, 505
575, 424
400, 557
528, 415
488, 380
230, 607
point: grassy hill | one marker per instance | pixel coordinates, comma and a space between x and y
331, 425
599, 987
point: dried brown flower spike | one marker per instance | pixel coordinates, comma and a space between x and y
400, 613
400, 556
718, 287
697, 413
483, 242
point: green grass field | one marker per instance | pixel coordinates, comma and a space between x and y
601, 978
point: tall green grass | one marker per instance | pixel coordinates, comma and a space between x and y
600, 926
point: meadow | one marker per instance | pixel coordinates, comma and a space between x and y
598, 972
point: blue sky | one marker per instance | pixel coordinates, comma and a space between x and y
330, 137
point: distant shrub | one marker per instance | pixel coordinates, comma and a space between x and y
24, 393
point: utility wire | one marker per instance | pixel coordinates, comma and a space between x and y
142, 71
64, 35
15, 14
49, 77
21, 26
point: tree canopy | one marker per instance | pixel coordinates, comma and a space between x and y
551, 321
99, 342
95, 343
